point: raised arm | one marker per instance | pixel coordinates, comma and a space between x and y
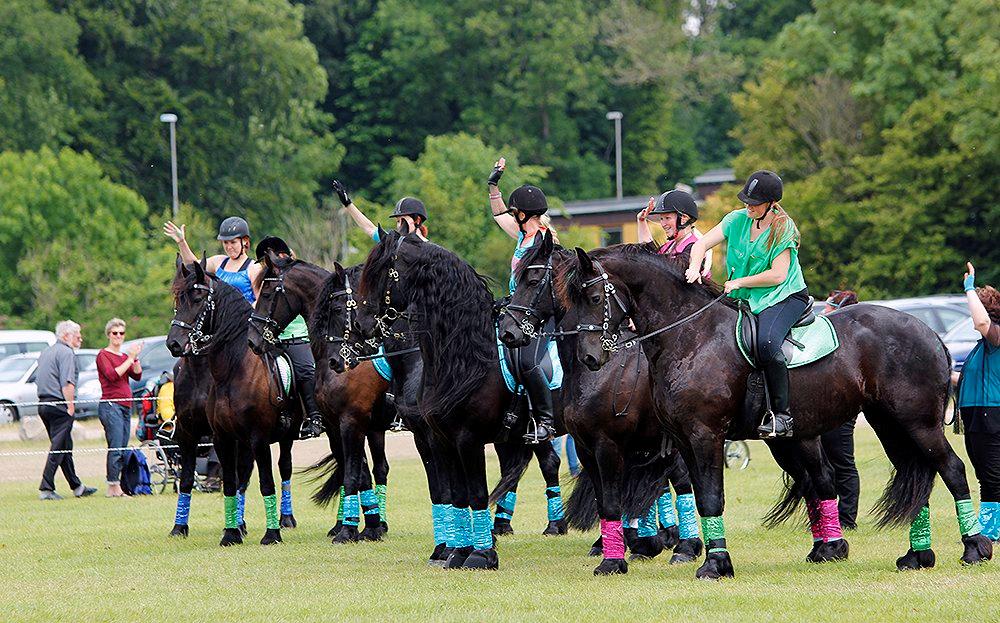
642, 224
498, 207
698, 251
357, 216
179, 235
980, 317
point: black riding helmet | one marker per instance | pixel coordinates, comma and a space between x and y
232, 228
271, 243
528, 200
761, 187
677, 201
408, 206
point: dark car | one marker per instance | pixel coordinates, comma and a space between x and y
155, 359
939, 312
960, 341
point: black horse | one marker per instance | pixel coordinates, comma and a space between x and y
352, 402
889, 365
462, 395
211, 320
610, 415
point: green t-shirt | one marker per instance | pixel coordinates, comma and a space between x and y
296, 329
746, 258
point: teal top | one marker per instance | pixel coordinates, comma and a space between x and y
746, 258
296, 329
980, 386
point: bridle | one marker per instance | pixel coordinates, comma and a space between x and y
531, 311
199, 340
266, 325
385, 320
347, 353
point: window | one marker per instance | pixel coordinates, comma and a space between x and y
951, 317
926, 316
86, 362
11, 370
610, 236
157, 359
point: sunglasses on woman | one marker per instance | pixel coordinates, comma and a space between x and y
117, 333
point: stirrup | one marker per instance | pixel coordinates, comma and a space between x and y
531, 436
397, 425
771, 432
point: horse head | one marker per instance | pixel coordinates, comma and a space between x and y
533, 302
194, 307
594, 294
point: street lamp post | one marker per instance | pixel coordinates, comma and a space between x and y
616, 116
171, 118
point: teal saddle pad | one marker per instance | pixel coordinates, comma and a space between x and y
811, 342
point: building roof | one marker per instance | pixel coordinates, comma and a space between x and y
715, 176
604, 206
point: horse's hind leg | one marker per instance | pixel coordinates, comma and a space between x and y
356, 478
834, 546
285, 471
188, 450
272, 533
548, 462
380, 473
225, 447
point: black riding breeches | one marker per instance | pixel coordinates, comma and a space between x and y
304, 366
773, 325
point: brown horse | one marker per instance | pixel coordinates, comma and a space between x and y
243, 406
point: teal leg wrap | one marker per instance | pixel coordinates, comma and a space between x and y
369, 502
554, 496
439, 517
989, 518
380, 493
482, 533
505, 507
448, 525
647, 523
462, 522
687, 518
920, 531
286, 497
968, 523
665, 509
352, 510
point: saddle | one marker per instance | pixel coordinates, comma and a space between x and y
281, 377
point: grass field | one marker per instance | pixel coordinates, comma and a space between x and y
111, 560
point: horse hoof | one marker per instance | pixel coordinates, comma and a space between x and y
179, 530
458, 557
243, 529
373, 533
670, 536
912, 561
646, 547
612, 566
832, 551
231, 536
978, 549
717, 565
271, 536
347, 534
811, 556
439, 556
384, 527
482, 559
555, 528
502, 527
687, 550
288, 521
334, 530
597, 549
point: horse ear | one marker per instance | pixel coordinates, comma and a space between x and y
586, 264
204, 261
273, 260
337, 268
180, 265
547, 242
381, 232
199, 270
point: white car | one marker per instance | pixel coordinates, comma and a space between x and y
17, 385
16, 342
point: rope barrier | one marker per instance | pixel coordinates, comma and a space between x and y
41, 403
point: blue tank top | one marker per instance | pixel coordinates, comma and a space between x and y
239, 279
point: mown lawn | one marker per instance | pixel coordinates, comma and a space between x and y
110, 560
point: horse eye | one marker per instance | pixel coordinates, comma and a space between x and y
595, 299
533, 282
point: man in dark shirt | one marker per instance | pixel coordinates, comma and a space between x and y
56, 380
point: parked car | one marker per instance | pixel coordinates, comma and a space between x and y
155, 359
960, 341
939, 312
19, 342
17, 384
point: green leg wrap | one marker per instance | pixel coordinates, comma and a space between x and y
713, 529
231, 521
380, 491
271, 511
968, 521
340, 505
920, 531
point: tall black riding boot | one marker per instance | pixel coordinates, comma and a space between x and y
312, 422
540, 397
779, 424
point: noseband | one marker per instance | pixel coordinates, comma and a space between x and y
199, 340
531, 311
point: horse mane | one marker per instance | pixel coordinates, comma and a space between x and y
570, 288
321, 317
532, 257
268, 271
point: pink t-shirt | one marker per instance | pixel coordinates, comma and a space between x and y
676, 247
114, 386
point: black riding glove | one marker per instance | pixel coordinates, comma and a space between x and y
341, 191
495, 176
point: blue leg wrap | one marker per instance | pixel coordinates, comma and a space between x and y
554, 496
989, 517
439, 517
448, 525
241, 503
665, 509
286, 497
647, 523
369, 502
505, 507
482, 534
461, 521
183, 509
687, 518
352, 510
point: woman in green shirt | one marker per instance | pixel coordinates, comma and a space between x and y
763, 257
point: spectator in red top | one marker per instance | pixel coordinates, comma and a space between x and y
114, 369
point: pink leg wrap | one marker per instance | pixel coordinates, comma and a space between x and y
830, 520
812, 508
612, 539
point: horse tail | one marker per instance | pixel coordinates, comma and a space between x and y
327, 467
909, 487
644, 483
581, 507
787, 504
514, 459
